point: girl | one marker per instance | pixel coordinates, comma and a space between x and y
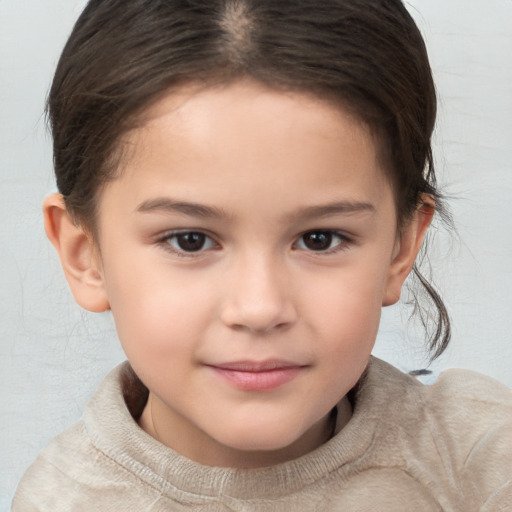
245, 184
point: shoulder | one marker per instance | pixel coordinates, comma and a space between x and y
476, 413
458, 431
472, 407
464, 406
461, 403
56, 472
76, 471
472, 387
473, 423
454, 397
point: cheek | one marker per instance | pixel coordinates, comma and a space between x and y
153, 308
352, 295
157, 330
345, 309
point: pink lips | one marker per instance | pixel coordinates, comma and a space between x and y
257, 376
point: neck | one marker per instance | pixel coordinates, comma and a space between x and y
196, 445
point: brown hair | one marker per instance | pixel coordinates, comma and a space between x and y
367, 55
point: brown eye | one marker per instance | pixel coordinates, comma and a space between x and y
320, 241
190, 241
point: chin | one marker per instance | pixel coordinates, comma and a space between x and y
260, 439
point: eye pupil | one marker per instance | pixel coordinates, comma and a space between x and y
318, 240
191, 242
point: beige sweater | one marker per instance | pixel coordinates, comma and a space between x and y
408, 447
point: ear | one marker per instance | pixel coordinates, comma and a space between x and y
78, 255
406, 250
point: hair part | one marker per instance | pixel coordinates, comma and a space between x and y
366, 55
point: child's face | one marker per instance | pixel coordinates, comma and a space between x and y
246, 251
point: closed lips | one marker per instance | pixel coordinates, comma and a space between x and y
252, 376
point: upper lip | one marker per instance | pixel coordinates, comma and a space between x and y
257, 366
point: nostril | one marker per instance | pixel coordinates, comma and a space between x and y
283, 326
258, 319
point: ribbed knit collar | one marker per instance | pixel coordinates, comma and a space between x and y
113, 430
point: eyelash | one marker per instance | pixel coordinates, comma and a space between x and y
343, 241
166, 242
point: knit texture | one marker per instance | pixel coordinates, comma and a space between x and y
408, 447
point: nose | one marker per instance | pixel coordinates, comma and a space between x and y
258, 296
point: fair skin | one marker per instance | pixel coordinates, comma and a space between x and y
245, 251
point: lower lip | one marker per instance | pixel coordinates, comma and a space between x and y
258, 381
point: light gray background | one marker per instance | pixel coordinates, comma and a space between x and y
52, 355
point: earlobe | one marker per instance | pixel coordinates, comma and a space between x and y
407, 249
78, 255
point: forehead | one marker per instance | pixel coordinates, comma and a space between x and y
217, 138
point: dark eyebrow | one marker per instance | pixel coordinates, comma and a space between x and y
168, 205
335, 208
